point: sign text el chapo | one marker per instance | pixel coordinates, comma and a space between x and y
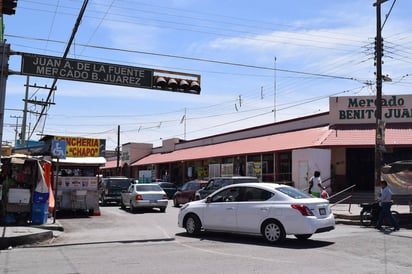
86, 71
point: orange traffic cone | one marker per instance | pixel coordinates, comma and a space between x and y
96, 212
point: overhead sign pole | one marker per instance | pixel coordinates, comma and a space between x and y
106, 73
4, 67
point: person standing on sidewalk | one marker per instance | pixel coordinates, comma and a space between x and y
385, 201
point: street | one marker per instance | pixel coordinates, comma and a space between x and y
150, 242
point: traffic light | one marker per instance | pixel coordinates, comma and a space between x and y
176, 84
8, 6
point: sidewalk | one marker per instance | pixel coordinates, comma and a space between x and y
23, 235
350, 214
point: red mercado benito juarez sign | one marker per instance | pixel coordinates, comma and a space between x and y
83, 147
361, 109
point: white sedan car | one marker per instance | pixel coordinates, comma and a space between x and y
266, 209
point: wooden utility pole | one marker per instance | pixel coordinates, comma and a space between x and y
379, 141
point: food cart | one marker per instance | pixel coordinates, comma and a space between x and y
77, 183
24, 193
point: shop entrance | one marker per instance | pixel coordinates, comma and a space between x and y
360, 168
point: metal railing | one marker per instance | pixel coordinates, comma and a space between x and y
349, 197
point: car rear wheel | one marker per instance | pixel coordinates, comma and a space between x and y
303, 236
192, 225
273, 231
162, 209
132, 208
122, 206
175, 202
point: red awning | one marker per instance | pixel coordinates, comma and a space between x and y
323, 137
277, 142
110, 164
399, 136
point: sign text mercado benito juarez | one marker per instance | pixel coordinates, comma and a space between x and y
361, 109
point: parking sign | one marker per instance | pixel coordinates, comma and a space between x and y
59, 148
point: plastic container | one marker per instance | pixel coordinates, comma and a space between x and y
40, 197
39, 213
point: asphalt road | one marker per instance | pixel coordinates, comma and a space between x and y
150, 242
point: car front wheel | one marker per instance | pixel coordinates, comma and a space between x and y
192, 225
273, 231
175, 202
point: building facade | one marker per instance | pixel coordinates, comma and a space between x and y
339, 143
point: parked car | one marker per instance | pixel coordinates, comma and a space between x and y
111, 188
144, 196
187, 192
168, 187
217, 182
267, 209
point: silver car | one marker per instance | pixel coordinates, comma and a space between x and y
144, 196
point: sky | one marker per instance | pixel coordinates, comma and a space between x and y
260, 62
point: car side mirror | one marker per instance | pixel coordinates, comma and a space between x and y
208, 199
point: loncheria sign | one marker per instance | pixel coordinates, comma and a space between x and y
361, 109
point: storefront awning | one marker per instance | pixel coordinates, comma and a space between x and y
277, 142
321, 137
362, 136
111, 164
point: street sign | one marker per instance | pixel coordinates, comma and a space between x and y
86, 71
58, 149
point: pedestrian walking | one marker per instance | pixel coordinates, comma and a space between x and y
385, 201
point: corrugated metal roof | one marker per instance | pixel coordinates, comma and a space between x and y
326, 137
277, 142
111, 164
365, 136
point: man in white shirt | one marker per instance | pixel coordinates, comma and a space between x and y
385, 202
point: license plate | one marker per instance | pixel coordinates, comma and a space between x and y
322, 211
153, 201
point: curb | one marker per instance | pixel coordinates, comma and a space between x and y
8, 242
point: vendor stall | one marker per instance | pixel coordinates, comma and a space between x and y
23, 188
77, 183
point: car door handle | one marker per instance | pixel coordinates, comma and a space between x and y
264, 209
230, 208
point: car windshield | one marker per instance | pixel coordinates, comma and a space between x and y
120, 183
147, 188
293, 192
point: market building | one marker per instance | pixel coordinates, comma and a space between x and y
339, 143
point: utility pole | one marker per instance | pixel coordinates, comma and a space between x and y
16, 130
35, 102
379, 136
118, 151
274, 91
